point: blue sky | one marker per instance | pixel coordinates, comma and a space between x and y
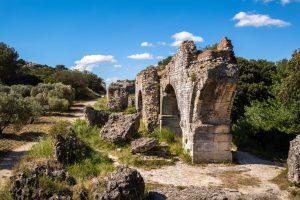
106, 36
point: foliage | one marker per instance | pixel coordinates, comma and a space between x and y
163, 63
8, 64
254, 83
61, 127
57, 96
16, 110
23, 90
80, 81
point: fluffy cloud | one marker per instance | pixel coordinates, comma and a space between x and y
257, 20
89, 62
161, 43
117, 66
112, 79
146, 44
142, 56
182, 36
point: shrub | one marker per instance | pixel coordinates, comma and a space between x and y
16, 110
4, 88
101, 104
23, 90
56, 104
62, 127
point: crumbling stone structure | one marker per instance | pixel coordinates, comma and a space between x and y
118, 94
192, 96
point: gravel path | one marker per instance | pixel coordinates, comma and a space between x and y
11, 159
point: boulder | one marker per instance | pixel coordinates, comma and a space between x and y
143, 145
96, 117
293, 161
27, 184
123, 184
120, 127
68, 148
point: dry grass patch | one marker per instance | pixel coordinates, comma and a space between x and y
282, 181
236, 179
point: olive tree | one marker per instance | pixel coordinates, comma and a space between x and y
16, 110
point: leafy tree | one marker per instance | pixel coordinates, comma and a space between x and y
254, 83
8, 64
16, 110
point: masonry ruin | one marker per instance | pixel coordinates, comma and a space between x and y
192, 96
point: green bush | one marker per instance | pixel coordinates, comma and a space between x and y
16, 110
56, 104
23, 90
62, 127
101, 104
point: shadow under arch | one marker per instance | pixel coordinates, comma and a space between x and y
170, 116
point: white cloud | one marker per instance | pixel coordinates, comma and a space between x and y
89, 62
161, 43
182, 36
257, 20
117, 66
142, 56
146, 44
111, 80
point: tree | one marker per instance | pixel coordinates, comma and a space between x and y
8, 64
16, 110
254, 83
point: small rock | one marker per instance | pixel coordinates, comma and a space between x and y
143, 145
120, 127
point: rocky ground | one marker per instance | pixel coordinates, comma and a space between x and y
14, 147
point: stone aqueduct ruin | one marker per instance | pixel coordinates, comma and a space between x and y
193, 97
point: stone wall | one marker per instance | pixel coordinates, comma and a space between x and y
118, 93
147, 96
196, 95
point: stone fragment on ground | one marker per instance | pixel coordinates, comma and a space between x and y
96, 117
293, 161
27, 183
144, 144
123, 184
68, 148
120, 127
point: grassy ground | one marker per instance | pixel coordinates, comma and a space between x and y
282, 181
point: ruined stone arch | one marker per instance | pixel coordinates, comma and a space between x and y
170, 112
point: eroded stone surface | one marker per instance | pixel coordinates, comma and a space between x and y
193, 97
120, 127
118, 94
68, 148
293, 161
96, 117
142, 145
26, 184
125, 183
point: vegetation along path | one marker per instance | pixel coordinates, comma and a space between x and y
11, 158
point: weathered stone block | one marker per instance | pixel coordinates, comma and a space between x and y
293, 161
222, 137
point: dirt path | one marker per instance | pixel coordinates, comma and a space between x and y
251, 176
11, 159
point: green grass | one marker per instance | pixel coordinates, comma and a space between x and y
101, 104
60, 128
97, 164
165, 135
42, 149
130, 110
4, 194
46, 182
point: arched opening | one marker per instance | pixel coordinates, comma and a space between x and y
140, 103
170, 117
